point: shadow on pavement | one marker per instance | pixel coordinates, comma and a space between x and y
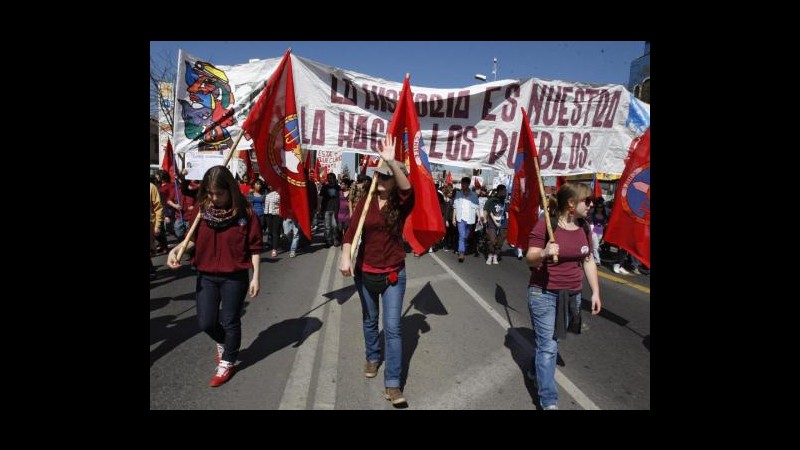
172, 333
276, 337
427, 302
413, 327
341, 295
522, 358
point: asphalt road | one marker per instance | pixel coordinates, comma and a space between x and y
466, 340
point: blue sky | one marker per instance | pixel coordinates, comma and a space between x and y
435, 63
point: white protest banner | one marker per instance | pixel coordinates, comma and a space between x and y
579, 128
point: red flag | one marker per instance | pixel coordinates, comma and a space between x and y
597, 191
168, 163
449, 179
477, 183
244, 155
629, 226
559, 182
424, 226
273, 126
523, 211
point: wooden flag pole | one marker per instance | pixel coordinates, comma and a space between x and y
363, 217
544, 205
197, 218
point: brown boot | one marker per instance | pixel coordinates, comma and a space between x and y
394, 395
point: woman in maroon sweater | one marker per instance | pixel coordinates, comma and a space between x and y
228, 244
379, 270
554, 288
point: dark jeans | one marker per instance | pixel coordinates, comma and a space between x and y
223, 325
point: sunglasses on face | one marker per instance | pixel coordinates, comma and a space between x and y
588, 201
384, 177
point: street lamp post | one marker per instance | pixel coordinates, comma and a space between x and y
482, 77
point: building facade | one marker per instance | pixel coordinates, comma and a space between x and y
639, 79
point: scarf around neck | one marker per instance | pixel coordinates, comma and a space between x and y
218, 217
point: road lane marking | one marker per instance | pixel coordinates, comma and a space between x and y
619, 280
561, 379
325, 392
475, 382
295, 393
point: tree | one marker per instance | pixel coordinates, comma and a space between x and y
162, 69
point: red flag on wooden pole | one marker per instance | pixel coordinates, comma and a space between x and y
273, 126
425, 225
523, 211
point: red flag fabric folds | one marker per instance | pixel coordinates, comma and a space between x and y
629, 226
273, 126
523, 211
559, 181
168, 163
244, 155
597, 191
425, 225
449, 179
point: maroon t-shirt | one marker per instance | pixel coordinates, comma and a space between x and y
380, 247
229, 249
573, 248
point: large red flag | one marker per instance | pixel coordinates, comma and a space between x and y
168, 163
629, 226
424, 226
273, 126
525, 195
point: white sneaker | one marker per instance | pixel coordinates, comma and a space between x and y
622, 271
494, 259
616, 268
488, 260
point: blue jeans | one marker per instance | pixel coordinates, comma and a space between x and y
223, 325
542, 306
289, 226
463, 234
330, 227
392, 299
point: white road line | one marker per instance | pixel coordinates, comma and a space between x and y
475, 382
295, 394
561, 379
325, 392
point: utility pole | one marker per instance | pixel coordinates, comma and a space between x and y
494, 69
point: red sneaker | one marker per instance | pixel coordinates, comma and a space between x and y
223, 374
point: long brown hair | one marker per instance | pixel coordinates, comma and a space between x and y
220, 178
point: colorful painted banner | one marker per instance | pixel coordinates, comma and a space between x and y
578, 128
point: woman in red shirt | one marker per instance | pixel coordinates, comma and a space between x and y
379, 269
554, 289
228, 244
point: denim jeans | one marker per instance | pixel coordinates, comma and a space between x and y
330, 227
289, 226
463, 234
392, 299
223, 325
542, 307
596, 246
